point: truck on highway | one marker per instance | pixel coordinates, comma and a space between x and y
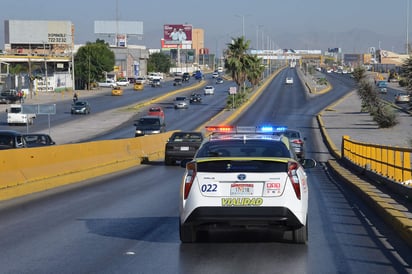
16, 116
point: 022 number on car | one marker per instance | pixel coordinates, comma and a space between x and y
209, 188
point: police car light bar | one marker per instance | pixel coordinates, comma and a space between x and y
246, 129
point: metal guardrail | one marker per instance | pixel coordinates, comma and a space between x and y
393, 163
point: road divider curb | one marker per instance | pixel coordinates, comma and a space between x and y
31, 170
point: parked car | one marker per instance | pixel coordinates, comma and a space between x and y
81, 107
148, 125
11, 139
38, 139
9, 96
182, 145
156, 111
180, 102
209, 90
402, 98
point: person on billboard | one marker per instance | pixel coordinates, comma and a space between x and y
181, 35
174, 35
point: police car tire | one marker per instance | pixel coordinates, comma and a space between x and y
300, 235
187, 233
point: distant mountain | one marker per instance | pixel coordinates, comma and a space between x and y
352, 41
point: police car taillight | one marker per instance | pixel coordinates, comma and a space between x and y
297, 141
294, 178
189, 178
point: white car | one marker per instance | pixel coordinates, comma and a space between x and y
209, 90
289, 81
122, 82
109, 83
215, 74
244, 177
181, 102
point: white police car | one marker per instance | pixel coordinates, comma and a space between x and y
244, 176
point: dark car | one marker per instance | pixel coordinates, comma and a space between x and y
9, 96
182, 145
195, 98
11, 139
156, 83
177, 82
81, 107
148, 125
186, 77
297, 141
38, 140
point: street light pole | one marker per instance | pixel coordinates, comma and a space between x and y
407, 27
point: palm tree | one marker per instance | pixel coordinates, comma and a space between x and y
241, 65
237, 60
255, 71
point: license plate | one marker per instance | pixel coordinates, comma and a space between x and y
241, 189
184, 148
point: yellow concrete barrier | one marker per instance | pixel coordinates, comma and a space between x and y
32, 170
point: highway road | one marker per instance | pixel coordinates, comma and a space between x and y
128, 222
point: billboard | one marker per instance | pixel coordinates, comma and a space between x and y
38, 32
177, 34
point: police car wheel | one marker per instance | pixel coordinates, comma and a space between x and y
188, 233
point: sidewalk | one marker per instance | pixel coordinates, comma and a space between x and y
345, 118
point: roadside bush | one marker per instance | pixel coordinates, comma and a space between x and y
322, 81
382, 114
236, 101
385, 116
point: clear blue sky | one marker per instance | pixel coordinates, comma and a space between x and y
299, 24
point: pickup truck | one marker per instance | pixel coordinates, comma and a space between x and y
9, 96
15, 115
155, 76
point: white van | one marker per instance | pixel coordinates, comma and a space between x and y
15, 115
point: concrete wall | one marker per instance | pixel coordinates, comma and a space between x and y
32, 170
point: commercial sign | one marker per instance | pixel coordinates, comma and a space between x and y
177, 34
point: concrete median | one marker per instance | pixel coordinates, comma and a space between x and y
31, 170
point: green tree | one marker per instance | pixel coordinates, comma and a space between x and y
92, 61
237, 60
359, 74
159, 62
255, 70
406, 73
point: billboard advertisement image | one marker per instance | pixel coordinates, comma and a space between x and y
177, 34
